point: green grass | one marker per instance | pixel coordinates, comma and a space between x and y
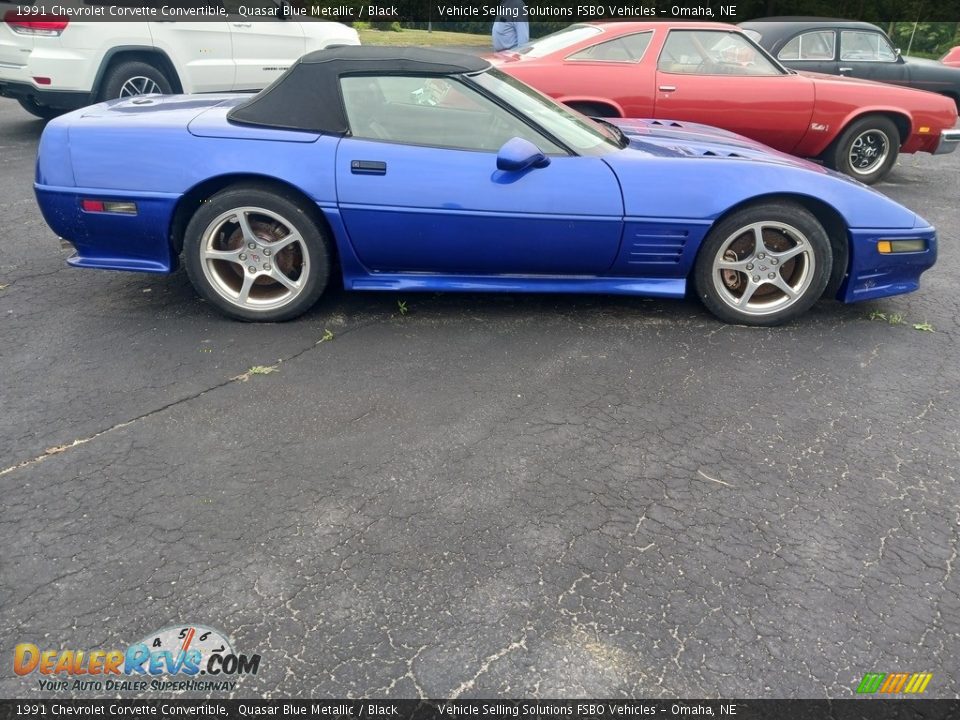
437, 38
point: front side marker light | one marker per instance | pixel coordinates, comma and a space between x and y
891, 247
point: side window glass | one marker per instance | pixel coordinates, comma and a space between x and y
629, 49
865, 46
431, 111
712, 52
816, 45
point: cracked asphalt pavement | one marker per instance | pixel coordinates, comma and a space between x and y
487, 495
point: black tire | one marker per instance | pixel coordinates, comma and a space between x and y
872, 132
838, 273
38, 110
594, 109
221, 282
131, 78
732, 239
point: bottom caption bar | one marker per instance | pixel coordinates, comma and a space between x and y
859, 709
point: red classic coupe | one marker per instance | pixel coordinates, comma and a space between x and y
714, 74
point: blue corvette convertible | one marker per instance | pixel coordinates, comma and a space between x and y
409, 169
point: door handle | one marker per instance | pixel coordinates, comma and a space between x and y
368, 167
243, 24
845, 70
668, 88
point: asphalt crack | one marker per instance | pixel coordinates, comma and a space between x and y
242, 377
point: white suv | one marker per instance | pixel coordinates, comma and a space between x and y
53, 64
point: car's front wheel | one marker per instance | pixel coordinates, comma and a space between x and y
763, 265
257, 254
866, 150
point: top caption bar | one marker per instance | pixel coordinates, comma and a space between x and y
443, 12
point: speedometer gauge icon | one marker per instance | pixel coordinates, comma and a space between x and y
181, 639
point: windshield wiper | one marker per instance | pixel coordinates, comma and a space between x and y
621, 136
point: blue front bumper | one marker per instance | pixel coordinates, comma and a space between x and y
875, 275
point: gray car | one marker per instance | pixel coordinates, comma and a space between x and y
852, 48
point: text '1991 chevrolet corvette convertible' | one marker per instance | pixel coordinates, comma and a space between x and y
410, 169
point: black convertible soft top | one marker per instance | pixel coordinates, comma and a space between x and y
307, 96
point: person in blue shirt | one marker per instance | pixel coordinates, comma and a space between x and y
511, 29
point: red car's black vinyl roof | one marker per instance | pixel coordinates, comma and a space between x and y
307, 96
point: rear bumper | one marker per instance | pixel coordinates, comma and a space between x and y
949, 140
61, 99
137, 243
875, 275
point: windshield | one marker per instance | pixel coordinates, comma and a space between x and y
568, 126
558, 40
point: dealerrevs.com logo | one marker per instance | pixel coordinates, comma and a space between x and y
894, 683
172, 659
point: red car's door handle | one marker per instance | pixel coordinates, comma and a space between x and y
668, 88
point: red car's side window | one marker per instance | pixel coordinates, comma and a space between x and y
627, 49
712, 52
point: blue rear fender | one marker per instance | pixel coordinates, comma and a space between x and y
148, 241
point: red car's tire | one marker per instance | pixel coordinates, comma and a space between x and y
589, 109
866, 150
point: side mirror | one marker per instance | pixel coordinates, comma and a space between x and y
518, 154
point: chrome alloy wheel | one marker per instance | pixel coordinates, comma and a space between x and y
139, 85
869, 151
254, 258
763, 268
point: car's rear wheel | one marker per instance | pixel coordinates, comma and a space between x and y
38, 110
866, 150
763, 265
257, 254
132, 78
